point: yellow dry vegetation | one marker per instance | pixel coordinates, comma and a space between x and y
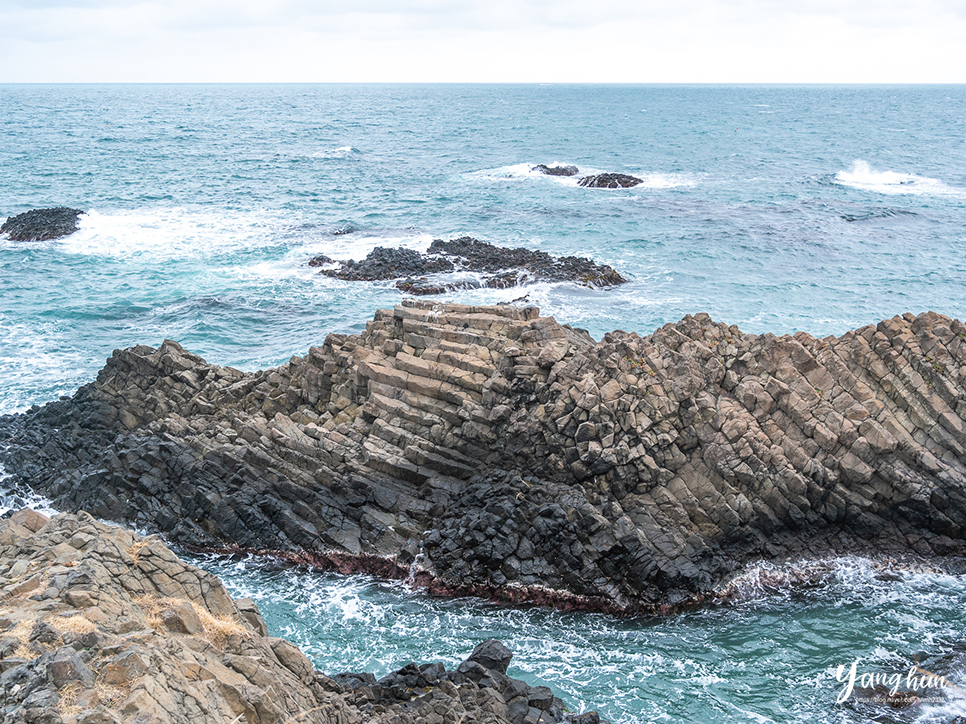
135, 550
77, 623
217, 629
111, 696
21, 632
68, 700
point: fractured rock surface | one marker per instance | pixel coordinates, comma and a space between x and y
492, 451
101, 626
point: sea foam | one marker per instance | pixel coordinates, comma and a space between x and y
862, 176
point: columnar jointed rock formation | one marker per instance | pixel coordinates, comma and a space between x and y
490, 450
100, 626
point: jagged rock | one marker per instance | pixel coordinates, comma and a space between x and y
609, 181
320, 260
523, 461
114, 658
491, 654
41, 224
502, 268
556, 170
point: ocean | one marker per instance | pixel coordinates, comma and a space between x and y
775, 208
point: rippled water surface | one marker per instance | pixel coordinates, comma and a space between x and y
819, 208
772, 658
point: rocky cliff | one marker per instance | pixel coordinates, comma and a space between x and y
493, 451
100, 626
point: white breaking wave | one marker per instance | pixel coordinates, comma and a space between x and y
341, 152
862, 176
13, 499
522, 171
357, 246
527, 171
171, 234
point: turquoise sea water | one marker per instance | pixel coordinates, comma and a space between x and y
776, 208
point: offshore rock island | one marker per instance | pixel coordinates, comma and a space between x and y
497, 267
495, 452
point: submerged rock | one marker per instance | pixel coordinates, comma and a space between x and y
500, 268
41, 224
490, 451
121, 630
609, 181
556, 170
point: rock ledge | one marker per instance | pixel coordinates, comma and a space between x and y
101, 626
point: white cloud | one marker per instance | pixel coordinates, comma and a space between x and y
475, 41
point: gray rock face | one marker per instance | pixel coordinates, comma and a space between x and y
523, 461
41, 224
107, 653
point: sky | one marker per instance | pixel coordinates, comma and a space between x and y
533, 41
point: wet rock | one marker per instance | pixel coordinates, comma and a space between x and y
609, 181
320, 260
492, 654
500, 268
556, 170
41, 224
383, 263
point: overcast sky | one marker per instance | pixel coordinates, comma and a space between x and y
620, 41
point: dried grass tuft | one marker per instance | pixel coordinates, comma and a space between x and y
21, 632
135, 550
77, 623
217, 629
111, 696
68, 700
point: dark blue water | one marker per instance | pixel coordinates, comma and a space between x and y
774, 208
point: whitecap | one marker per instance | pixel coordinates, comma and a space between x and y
666, 180
527, 172
863, 176
341, 152
13, 498
174, 233
358, 246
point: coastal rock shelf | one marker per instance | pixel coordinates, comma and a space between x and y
495, 452
99, 625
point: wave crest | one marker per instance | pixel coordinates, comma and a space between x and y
863, 176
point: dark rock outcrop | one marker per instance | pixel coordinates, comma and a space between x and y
41, 224
99, 625
556, 170
501, 268
320, 260
494, 452
609, 181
